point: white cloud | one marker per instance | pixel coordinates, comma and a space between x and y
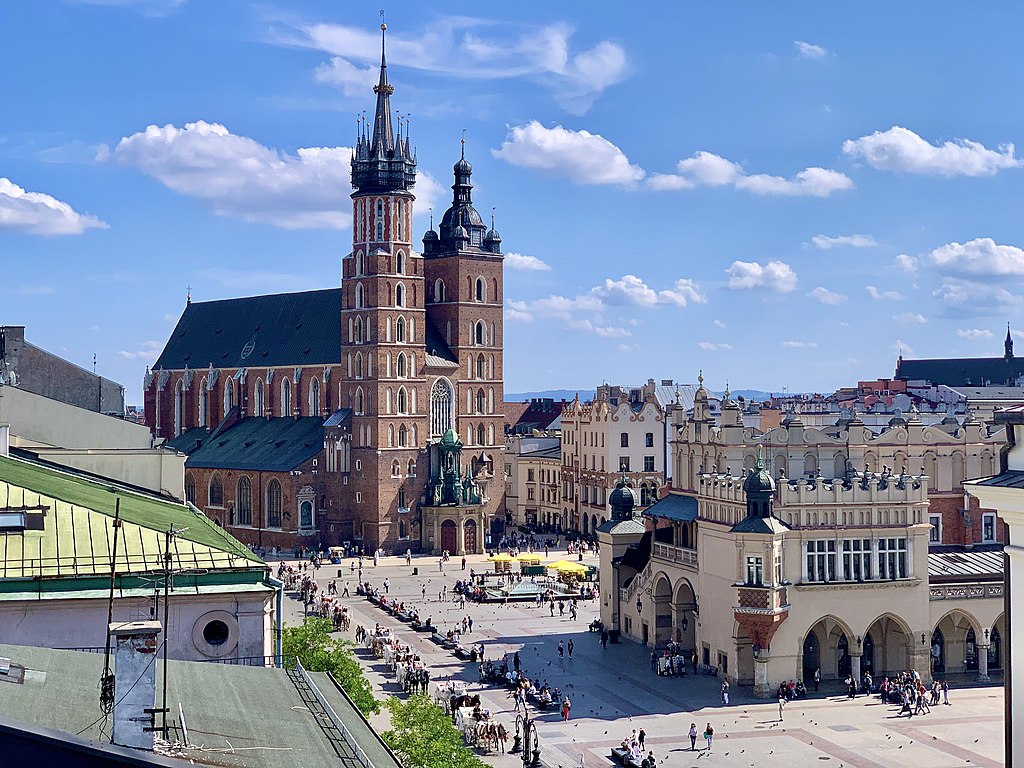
900, 149
354, 80
799, 344
853, 241
910, 317
148, 350
775, 276
630, 289
810, 50
878, 295
720, 324
256, 280
604, 331
145, 7
36, 213
974, 333
709, 169
975, 297
709, 346
39, 289
982, 257
240, 177
907, 263
524, 262
902, 348
470, 48
825, 296
580, 156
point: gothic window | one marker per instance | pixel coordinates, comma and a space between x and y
403, 405
448, 332
480, 434
412, 330
490, 367
400, 260
359, 401
412, 401
258, 399
401, 366
204, 404
359, 330
179, 407
190, 488
359, 263
396, 468
411, 468
380, 219
387, 366
481, 368
493, 337
359, 296
229, 395
490, 399
495, 297
359, 365
400, 330
314, 396
439, 290
441, 397
274, 504
481, 333
243, 502
391, 435
412, 365
403, 436
490, 434
469, 435
387, 396
481, 290
399, 295
481, 401
286, 397
306, 514
216, 494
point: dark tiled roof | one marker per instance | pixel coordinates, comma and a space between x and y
554, 452
760, 525
962, 371
268, 445
954, 562
632, 525
338, 418
1012, 478
189, 440
675, 506
284, 329
638, 555
437, 347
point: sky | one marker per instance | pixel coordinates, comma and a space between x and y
781, 196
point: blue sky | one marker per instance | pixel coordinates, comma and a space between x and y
782, 196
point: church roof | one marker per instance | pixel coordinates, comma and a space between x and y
439, 354
266, 445
962, 371
760, 525
281, 329
675, 506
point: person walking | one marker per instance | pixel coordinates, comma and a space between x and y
945, 692
569, 647
561, 608
440, 564
561, 649
654, 661
693, 737
693, 662
725, 692
709, 734
463, 562
387, 586
782, 706
566, 706
515, 661
423, 592
604, 638
444, 593
640, 738
552, 606
469, 620
817, 679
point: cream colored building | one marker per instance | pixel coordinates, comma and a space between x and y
533, 480
769, 576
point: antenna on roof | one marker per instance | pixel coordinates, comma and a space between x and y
188, 294
107, 678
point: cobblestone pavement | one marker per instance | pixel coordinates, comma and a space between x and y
613, 692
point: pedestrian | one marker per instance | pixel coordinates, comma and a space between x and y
709, 734
552, 606
654, 661
387, 586
569, 646
693, 737
945, 692
640, 738
423, 592
515, 661
604, 638
440, 564
469, 619
725, 692
444, 593
693, 662
561, 649
782, 706
817, 679
566, 706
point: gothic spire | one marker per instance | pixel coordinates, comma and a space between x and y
383, 135
1008, 344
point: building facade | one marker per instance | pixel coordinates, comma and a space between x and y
415, 348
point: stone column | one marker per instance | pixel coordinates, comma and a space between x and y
462, 537
920, 659
436, 549
855, 668
983, 664
762, 688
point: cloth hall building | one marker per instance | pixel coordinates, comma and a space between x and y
317, 418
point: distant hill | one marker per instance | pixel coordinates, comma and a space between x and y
554, 394
756, 395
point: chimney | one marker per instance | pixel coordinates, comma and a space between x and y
5, 439
134, 682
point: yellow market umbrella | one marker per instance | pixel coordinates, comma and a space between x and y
501, 557
528, 558
565, 565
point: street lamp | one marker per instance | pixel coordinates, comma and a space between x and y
531, 758
756, 648
639, 606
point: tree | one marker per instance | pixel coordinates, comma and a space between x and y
311, 643
423, 736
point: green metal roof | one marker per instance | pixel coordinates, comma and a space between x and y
268, 445
77, 536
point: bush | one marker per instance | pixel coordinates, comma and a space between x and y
311, 643
423, 736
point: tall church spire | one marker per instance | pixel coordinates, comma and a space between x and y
383, 142
1008, 344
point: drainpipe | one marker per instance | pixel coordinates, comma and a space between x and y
278, 637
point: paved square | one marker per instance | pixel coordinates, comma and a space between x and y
613, 692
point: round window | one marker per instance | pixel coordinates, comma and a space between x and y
216, 632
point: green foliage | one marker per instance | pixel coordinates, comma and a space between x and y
423, 736
311, 643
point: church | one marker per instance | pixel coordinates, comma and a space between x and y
369, 414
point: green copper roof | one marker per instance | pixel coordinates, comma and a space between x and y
77, 535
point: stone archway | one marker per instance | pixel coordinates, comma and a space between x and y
891, 641
826, 647
449, 537
684, 623
955, 643
661, 594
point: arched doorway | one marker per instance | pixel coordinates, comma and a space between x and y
995, 650
593, 523
683, 605
971, 651
937, 655
586, 521
891, 645
812, 657
842, 657
662, 595
867, 659
471, 537
449, 537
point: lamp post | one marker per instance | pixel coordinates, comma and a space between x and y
531, 758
